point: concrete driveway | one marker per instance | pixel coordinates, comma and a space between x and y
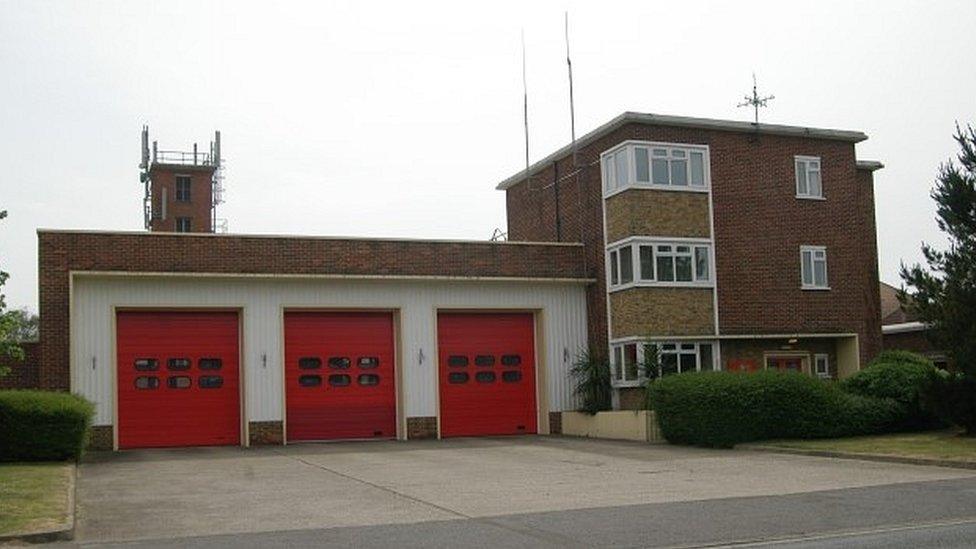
166, 494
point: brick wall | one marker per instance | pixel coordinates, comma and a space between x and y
662, 311
23, 373
759, 227
198, 208
59, 253
645, 212
421, 428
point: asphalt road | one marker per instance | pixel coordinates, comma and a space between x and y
919, 514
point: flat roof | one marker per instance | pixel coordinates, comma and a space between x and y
305, 237
686, 122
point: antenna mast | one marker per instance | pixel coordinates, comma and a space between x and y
755, 101
525, 110
572, 111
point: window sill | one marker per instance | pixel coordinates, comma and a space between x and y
630, 285
653, 187
815, 288
810, 197
627, 384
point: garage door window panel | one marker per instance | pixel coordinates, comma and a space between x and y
511, 360
309, 363
457, 377
146, 364
367, 362
210, 364
457, 361
340, 380
178, 364
511, 376
484, 360
339, 362
147, 382
310, 381
210, 382
485, 377
179, 382
368, 379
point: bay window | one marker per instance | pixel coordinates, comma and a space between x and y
633, 361
664, 263
655, 165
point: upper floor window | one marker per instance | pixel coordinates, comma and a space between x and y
182, 224
183, 188
813, 267
808, 182
645, 262
655, 165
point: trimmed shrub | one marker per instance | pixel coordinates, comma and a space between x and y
721, 409
903, 376
41, 425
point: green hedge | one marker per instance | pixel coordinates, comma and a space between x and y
41, 425
721, 409
903, 376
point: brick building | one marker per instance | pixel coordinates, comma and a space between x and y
718, 244
715, 244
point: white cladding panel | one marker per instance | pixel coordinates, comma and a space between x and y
263, 300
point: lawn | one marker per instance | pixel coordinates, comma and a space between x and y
33, 496
930, 444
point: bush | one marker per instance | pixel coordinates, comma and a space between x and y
953, 398
592, 374
721, 409
40, 425
902, 376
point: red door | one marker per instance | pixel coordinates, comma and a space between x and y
178, 378
487, 373
339, 375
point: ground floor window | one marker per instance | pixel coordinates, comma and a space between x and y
632, 362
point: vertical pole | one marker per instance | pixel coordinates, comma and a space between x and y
525, 109
572, 112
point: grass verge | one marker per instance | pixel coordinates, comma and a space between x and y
943, 445
33, 496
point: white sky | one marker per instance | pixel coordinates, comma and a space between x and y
398, 119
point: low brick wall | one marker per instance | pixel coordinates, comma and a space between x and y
23, 373
265, 433
639, 425
421, 427
100, 438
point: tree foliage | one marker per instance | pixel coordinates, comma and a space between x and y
9, 349
943, 294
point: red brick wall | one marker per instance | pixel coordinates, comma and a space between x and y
759, 227
23, 373
62, 252
197, 209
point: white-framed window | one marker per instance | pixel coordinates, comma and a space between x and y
182, 224
645, 261
630, 360
821, 365
813, 268
647, 164
808, 181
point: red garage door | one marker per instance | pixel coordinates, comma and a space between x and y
178, 378
487, 373
339, 375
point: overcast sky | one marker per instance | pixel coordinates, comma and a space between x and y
398, 119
